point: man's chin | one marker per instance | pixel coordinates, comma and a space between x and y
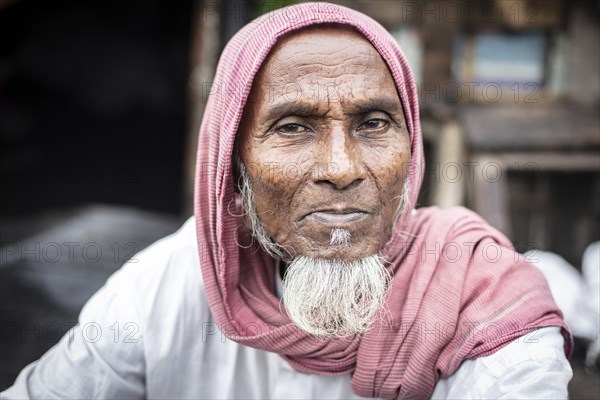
334, 243
335, 298
351, 251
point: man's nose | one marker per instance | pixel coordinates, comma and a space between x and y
342, 166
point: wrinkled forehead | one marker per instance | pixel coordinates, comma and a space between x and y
319, 64
322, 36
322, 52
310, 67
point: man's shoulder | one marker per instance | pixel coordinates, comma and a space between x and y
453, 223
166, 271
174, 254
451, 214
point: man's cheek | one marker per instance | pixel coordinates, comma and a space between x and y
395, 179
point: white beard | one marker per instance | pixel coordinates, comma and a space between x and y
326, 297
335, 298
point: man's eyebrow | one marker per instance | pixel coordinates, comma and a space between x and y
286, 108
308, 109
384, 103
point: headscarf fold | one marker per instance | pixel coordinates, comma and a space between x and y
459, 289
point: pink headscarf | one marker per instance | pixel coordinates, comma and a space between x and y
459, 290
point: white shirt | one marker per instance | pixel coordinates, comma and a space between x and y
148, 333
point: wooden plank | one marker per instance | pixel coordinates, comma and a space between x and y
523, 127
489, 194
449, 190
204, 51
545, 161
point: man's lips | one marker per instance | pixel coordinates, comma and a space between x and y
337, 216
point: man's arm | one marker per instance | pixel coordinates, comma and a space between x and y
534, 366
101, 357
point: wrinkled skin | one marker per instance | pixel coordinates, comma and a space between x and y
324, 141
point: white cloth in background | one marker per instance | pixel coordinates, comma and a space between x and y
569, 291
148, 333
590, 267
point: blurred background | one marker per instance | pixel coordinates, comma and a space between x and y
100, 103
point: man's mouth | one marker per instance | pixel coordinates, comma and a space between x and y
336, 217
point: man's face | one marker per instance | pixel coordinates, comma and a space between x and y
325, 144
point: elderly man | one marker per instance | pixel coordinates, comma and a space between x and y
319, 277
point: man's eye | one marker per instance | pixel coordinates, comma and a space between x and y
291, 129
373, 124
